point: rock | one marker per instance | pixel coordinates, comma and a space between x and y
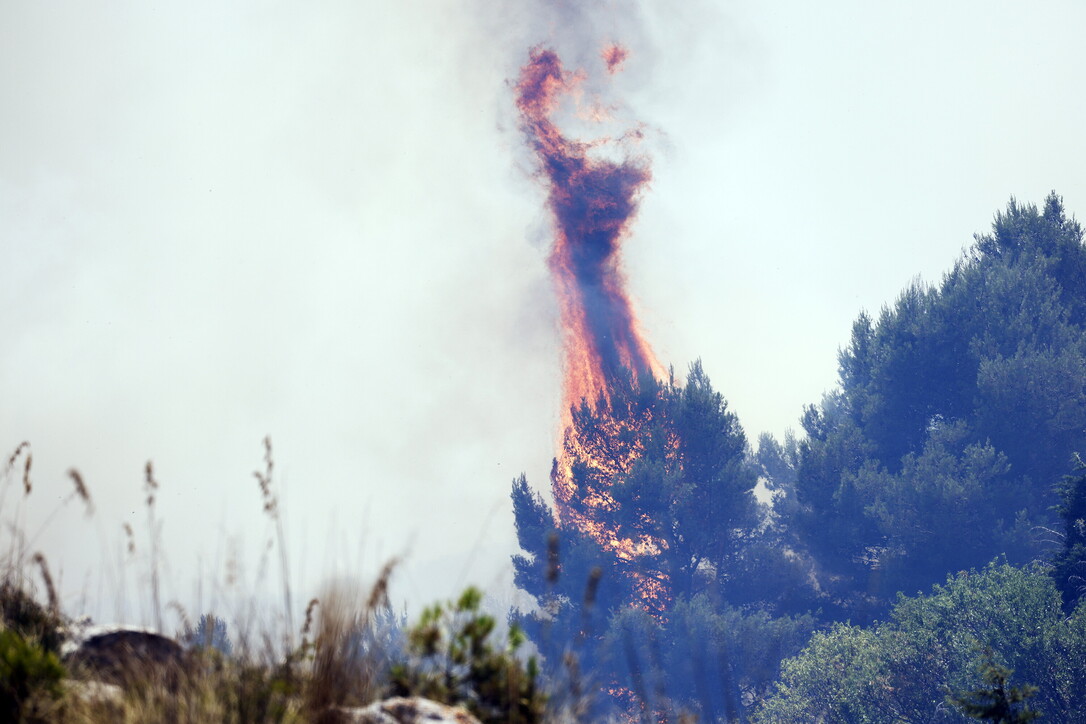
123, 654
399, 710
95, 692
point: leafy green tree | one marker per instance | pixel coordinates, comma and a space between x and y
778, 461
1024, 231
900, 669
573, 580
830, 514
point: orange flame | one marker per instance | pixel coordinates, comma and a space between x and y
592, 201
614, 56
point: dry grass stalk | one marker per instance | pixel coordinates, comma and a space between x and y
81, 491
151, 487
553, 567
271, 504
345, 667
6, 479
213, 688
182, 614
149, 483
307, 625
309, 610
271, 507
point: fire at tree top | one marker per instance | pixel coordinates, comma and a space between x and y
593, 200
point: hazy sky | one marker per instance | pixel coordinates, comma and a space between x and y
318, 221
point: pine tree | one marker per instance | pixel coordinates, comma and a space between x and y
663, 471
659, 509
1069, 565
957, 409
996, 702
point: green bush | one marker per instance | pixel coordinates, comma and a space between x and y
29, 678
452, 660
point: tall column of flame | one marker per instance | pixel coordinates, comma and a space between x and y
592, 200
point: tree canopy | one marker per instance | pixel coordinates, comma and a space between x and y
663, 580
902, 670
958, 410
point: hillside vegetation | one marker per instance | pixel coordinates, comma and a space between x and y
921, 556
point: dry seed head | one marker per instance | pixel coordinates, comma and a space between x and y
271, 505
233, 565
268, 454
26, 473
313, 603
379, 592
15, 455
50, 589
81, 489
131, 539
149, 483
186, 623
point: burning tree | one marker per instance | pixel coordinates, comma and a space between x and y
652, 472
638, 587
661, 499
652, 483
661, 470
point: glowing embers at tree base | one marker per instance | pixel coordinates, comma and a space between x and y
608, 450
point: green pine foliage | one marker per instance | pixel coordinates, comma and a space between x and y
1069, 563
708, 660
997, 702
730, 584
958, 410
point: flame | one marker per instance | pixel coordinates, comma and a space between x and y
614, 56
592, 201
